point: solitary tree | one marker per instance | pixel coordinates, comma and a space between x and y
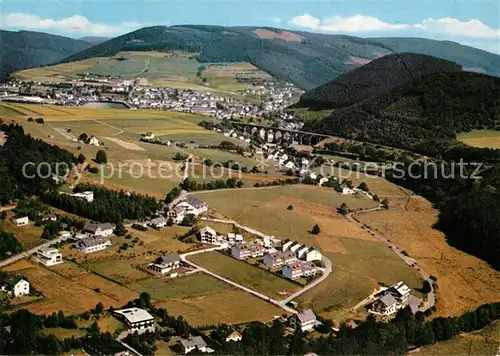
101, 157
316, 230
290, 207
81, 158
364, 186
344, 209
83, 137
385, 203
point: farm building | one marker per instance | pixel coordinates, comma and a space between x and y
92, 244
103, 230
158, 222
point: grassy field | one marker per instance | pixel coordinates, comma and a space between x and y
6, 110
483, 343
62, 333
160, 69
245, 274
230, 307
353, 252
181, 287
28, 235
120, 270
481, 138
464, 282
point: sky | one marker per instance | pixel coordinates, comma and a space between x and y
475, 23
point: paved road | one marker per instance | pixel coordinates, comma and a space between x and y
6, 208
28, 253
246, 289
431, 297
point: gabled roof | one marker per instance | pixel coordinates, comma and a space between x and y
193, 341
388, 300
12, 279
170, 258
306, 316
135, 315
195, 202
92, 241
90, 227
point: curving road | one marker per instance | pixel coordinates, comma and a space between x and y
431, 296
281, 303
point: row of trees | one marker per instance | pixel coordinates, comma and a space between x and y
193, 186
108, 205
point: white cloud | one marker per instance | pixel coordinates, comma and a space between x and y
73, 24
360, 23
356, 23
275, 20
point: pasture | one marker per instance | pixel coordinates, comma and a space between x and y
229, 307
245, 274
481, 138
196, 284
359, 261
28, 235
464, 281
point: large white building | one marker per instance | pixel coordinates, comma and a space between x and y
138, 320
193, 205
88, 196
299, 269
102, 230
207, 235
242, 251
93, 244
49, 256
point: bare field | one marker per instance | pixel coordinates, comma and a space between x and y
230, 307
481, 138
464, 282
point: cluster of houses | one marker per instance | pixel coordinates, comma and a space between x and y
390, 300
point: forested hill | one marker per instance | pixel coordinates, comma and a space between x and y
374, 78
27, 49
422, 115
305, 59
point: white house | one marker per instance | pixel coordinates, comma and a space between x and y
296, 247
194, 343
93, 141
138, 320
234, 336
299, 269
165, 264
278, 259
21, 221
401, 292
158, 222
305, 320
347, 191
241, 251
148, 136
93, 244
323, 181
49, 256
285, 246
88, 196
99, 229
177, 214
301, 252
233, 238
311, 255
385, 306
15, 285
207, 235
193, 205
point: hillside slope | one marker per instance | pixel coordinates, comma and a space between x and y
374, 78
306, 59
27, 49
422, 115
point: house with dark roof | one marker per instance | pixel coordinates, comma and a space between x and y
166, 263
385, 306
92, 244
305, 320
194, 343
193, 205
99, 229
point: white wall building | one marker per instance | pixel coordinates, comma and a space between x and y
165, 264
49, 256
16, 286
21, 221
305, 320
138, 320
241, 251
88, 196
93, 244
103, 230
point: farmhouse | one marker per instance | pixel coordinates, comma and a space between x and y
99, 229
311, 254
385, 306
88, 196
165, 264
93, 244
305, 320
138, 320
241, 251
177, 214
15, 285
234, 336
21, 221
194, 343
158, 222
49, 256
278, 259
299, 269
